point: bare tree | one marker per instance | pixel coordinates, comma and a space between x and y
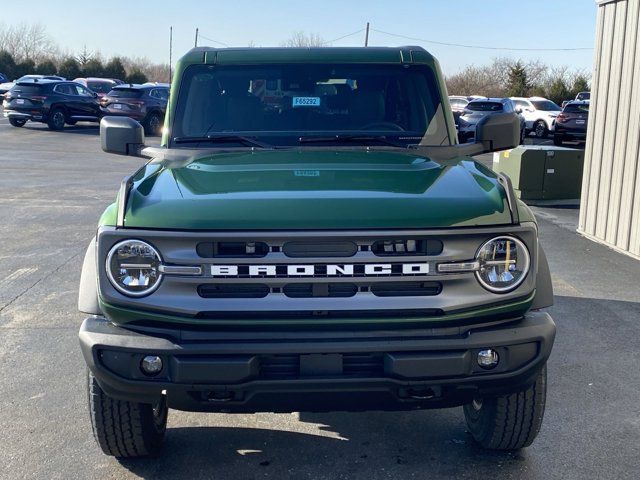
27, 41
301, 39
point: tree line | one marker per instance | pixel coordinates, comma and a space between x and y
28, 49
506, 77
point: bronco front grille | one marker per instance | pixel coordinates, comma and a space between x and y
318, 277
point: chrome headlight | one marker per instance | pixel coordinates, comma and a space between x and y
133, 268
503, 264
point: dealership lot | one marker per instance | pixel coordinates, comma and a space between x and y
55, 185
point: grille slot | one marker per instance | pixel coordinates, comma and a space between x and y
310, 290
232, 249
406, 289
242, 290
280, 367
407, 246
323, 249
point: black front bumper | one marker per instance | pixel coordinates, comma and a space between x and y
317, 371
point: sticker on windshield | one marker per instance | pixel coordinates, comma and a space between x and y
306, 102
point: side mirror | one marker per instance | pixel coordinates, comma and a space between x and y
95, 95
500, 131
121, 135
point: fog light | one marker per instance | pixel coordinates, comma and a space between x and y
151, 365
488, 358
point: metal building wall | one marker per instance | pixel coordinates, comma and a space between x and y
610, 204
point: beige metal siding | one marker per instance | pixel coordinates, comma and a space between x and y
610, 204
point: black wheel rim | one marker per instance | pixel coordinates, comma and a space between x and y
540, 128
154, 124
58, 119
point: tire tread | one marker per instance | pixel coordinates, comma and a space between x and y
119, 426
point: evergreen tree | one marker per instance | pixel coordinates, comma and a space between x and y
93, 68
558, 91
69, 69
580, 84
517, 81
114, 69
7, 65
46, 67
136, 76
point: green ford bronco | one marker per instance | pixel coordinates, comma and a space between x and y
310, 236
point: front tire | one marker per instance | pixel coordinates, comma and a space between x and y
508, 422
125, 429
17, 122
56, 119
558, 140
153, 124
541, 130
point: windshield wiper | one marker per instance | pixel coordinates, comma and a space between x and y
223, 139
353, 138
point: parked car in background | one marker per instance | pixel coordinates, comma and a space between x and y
582, 96
539, 114
6, 86
476, 110
101, 86
144, 103
457, 103
571, 124
54, 102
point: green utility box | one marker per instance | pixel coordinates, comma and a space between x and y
541, 172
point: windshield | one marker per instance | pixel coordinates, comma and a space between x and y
485, 106
279, 104
577, 108
545, 105
583, 96
125, 93
99, 87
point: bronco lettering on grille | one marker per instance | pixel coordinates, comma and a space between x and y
324, 270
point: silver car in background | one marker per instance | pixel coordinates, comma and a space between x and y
476, 110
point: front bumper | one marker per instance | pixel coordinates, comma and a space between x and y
316, 371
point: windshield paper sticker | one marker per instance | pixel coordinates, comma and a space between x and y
306, 102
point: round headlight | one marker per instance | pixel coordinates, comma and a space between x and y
133, 268
504, 264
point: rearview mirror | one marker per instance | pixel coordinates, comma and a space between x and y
500, 131
121, 135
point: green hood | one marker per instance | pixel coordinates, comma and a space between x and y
315, 189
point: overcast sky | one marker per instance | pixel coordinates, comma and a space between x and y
141, 28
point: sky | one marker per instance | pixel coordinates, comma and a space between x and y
141, 28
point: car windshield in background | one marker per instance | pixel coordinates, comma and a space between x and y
545, 105
576, 108
484, 106
125, 93
280, 104
100, 87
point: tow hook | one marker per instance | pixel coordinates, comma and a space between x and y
219, 396
420, 393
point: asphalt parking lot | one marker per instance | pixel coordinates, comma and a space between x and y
54, 185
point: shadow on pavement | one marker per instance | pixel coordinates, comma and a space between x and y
362, 445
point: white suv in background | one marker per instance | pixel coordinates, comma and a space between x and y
539, 114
